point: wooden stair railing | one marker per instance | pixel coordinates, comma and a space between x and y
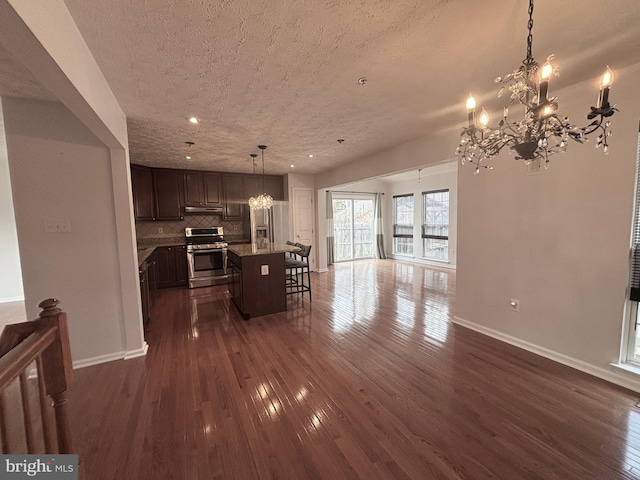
44, 341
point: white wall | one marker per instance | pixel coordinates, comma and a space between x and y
61, 172
45, 39
425, 183
558, 242
11, 278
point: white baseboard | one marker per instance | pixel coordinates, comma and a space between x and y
140, 352
19, 298
619, 377
322, 270
421, 261
110, 357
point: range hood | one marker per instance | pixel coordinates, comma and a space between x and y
203, 210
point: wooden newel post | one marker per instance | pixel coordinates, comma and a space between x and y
57, 366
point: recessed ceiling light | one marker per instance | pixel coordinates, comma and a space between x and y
193, 120
292, 165
311, 155
188, 157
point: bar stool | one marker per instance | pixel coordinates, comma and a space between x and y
298, 277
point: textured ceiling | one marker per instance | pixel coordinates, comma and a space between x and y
285, 73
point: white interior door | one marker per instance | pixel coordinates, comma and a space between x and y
303, 219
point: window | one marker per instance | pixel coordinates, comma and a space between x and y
353, 230
403, 224
435, 225
633, 334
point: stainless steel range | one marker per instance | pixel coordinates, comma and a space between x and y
206, 256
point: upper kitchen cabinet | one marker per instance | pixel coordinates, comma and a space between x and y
168, 193
142, 184
273, 185
157, 193
233, 192
202, 189
252, 186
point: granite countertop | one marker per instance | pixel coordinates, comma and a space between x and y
249, 249
147, 245
144, 253
160, 241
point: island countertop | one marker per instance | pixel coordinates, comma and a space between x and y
248, 249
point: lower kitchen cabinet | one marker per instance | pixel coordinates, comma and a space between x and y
148, 286
171, 266
145, 293
253, 291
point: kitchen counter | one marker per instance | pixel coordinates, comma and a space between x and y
249, 249
258, 278
146, 246
144, 253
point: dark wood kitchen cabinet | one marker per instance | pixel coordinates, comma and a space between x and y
273, 185
157, 193
202, 189
255, 185
171, 266
253, 291
182, 272
168, 194
252, 186
233, 191
143, 196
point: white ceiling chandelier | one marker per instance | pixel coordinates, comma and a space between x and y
540, 132
264, 201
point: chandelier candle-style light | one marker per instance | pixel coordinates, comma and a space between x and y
540, 132
263, 201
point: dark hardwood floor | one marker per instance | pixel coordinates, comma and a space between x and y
371, 380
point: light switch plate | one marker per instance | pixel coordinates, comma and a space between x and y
264, 269
57, 226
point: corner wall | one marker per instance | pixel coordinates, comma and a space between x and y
60, 172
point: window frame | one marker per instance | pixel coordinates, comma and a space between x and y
352, 198
424, 226
401, 230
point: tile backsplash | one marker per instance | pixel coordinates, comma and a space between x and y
232, 229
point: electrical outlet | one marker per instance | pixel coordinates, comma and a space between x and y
160, 230
264, 269
514, 305
534, 167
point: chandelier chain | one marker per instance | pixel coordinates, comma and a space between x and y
529, 60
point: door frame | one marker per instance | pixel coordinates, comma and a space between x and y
294, 214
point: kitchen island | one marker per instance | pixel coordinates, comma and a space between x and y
257, 278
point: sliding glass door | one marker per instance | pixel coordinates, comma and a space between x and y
353, 228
